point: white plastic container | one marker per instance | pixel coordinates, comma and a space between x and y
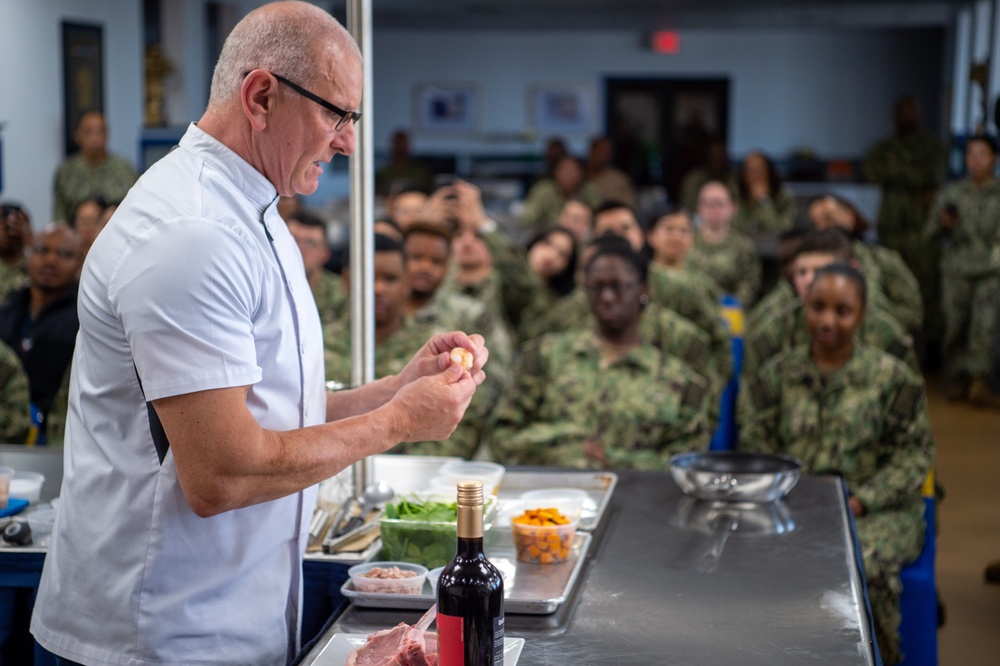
490, 473
41, 523
27, 485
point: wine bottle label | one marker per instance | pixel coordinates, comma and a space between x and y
451, 640
498, 641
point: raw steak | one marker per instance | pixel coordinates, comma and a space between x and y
402, 645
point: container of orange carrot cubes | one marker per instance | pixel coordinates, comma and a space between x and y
544, 535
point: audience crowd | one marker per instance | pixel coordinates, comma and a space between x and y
608, 344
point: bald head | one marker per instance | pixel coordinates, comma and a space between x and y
288, 38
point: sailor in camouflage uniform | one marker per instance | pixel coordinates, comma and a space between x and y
15, 398
725, 255
845, 408
910, 167
884, 269
785, 327
91, 173
427, 251
15, 235
967, 217
607, 397
309, 232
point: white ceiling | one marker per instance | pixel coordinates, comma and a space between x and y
649, 15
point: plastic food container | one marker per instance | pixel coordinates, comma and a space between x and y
6, 474
490, 473
569, 501
431, 543
41, 523
432, 577
364, 581
544, 544
27, 485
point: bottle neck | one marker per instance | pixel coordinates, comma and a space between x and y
470, 521
470, 548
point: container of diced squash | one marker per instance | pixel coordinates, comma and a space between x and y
422, 528
544, 535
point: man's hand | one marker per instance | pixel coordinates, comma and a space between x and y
430, 408
435, 357
467, 206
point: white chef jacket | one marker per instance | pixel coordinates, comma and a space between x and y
195, 284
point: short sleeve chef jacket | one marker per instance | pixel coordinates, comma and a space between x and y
195, 284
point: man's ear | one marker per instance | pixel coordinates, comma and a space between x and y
257, 95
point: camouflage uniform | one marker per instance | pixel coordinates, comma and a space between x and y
55, 420
733, 264
772, 215
332, 300
77, 181
15, 398
788, 329
544, 201
12, 278
868, 423
909, 171
642, 407
970, 268
885, 270
773, 303
694, 180
675, 331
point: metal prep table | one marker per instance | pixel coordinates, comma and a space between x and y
671, 581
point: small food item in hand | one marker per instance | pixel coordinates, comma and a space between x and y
461, 356
543, 536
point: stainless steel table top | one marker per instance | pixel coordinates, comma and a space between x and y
673, 581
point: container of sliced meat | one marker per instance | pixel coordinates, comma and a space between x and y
388, 577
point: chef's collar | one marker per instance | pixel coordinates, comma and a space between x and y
231, 166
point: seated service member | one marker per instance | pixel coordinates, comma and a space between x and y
606, 397
787, 327
310, 234
40, 321
724, 254
845, 408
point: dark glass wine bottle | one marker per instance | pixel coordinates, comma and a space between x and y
470, 593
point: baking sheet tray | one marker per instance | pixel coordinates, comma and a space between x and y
599, 487
531, 589
337, 650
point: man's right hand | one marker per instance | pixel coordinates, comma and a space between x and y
430, 408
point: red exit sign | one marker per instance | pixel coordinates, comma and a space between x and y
667, 41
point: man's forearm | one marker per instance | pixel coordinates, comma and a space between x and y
342, 404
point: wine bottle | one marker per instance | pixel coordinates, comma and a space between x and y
470, 593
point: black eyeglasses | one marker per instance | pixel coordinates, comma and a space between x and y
353, 116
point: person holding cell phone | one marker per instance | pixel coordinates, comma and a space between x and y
966, 219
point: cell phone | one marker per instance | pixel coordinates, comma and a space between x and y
951, 209
444, 180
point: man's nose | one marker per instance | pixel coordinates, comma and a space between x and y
344, 139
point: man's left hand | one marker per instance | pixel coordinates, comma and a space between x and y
434, 356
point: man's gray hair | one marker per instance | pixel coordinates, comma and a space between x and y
287, 38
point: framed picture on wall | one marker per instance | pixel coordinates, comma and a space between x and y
83, 75
562, 108
446, 107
